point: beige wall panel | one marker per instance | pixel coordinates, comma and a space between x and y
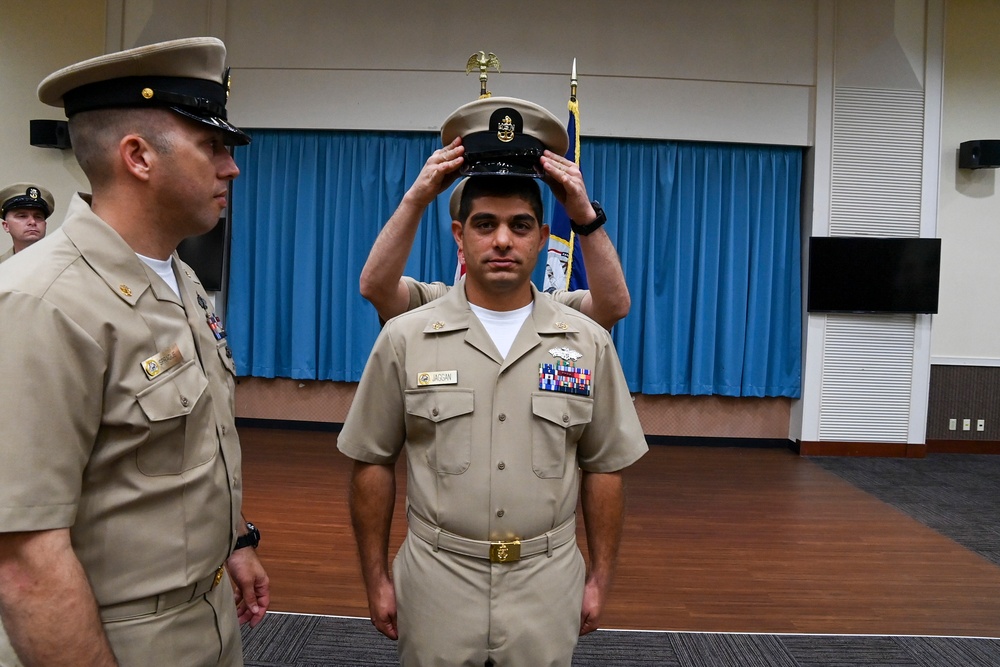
657, 109
723, 40
968, 321
37, 38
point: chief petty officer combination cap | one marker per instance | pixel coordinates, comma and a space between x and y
187, 76
26, 195
504, 136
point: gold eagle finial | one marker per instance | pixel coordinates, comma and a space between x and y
483, 62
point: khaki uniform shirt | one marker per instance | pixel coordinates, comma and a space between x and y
7, 255
141, 462
421, 293
491, 455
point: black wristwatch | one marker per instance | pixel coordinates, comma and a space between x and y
251, 539
584, 230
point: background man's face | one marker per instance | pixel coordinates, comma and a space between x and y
25, 225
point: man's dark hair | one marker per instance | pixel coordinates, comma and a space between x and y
501, 186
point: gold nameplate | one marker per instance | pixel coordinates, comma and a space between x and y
163, 361
428, 378
505, 552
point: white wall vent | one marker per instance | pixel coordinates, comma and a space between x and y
877, 162
867, 378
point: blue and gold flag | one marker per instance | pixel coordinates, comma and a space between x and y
564, 261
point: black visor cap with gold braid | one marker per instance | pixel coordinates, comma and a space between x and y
504, 136
502, 149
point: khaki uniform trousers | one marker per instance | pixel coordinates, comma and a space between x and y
459, 610
200, 633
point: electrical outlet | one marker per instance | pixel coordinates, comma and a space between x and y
966, 424
980, 424
952, 424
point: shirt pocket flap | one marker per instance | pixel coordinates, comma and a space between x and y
175, 395
438, 405
565, 411
226, 355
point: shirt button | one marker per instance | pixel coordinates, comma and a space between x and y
184, 401
500, 513
502, 417
435, 412
565, 419
501, 465
225, 429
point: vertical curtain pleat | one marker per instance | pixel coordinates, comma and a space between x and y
708, 236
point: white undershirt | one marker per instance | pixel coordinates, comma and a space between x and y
163, 268
502, 326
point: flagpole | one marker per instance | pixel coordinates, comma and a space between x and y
572, 83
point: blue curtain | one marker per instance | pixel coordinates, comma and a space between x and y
306, 209
709, 240
708, 235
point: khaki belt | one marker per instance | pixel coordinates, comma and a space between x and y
162, 602
496, 552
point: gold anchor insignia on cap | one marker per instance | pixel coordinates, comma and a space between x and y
125, 289
147, 93
228, 80
33, 193
438, 325
505, 130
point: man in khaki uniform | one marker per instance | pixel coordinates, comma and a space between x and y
24, 209
120, 479
508, 407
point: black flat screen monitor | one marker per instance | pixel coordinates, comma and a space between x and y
206, 254
873, 275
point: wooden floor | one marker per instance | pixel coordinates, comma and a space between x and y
717, 539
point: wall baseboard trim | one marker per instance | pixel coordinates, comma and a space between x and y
288, 424
886, 449
673, 440
964, 361
963, 447
708, 441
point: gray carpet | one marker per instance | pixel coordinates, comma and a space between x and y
295, 640
957, 495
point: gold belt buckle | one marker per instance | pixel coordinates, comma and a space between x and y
505, 552
218, 576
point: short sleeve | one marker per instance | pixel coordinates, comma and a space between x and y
613, 439
571, 298
51, 391
421, 293
374, 431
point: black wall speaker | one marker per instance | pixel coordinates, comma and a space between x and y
50, 133
979, 154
